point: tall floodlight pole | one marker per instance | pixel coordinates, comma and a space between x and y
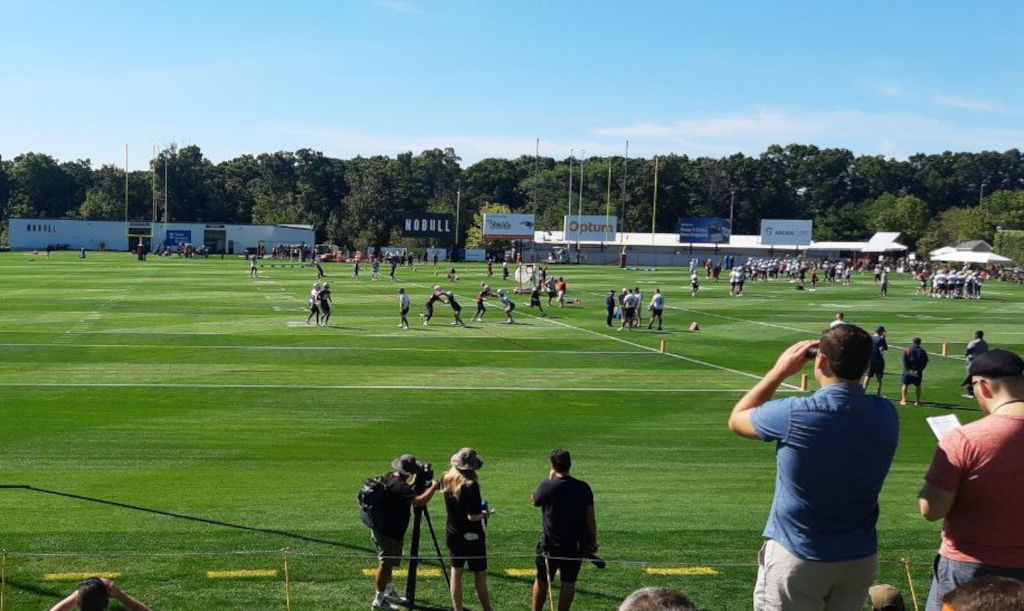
568, 208
622, 195
732, 206
654, 203
608, 201
126, 194
536, 185
579, 209
458, 208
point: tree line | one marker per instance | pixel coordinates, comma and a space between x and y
933, 200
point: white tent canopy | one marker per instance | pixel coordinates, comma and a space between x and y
952, 255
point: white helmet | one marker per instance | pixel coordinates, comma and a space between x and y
316, 285
327, 285
501, 291
437, 288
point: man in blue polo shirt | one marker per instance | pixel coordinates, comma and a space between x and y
833, 451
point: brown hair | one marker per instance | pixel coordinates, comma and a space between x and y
847, 348
987, 593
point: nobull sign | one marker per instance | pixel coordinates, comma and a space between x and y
428, 225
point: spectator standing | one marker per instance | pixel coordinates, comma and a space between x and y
609, 306
657, 306
389, 537
976, 482
915, 359
570, 530
975, 348
833, 451
464, 530
876, 366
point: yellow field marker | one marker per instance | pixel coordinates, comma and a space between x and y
77, 576
681, 570
405, 572
241, 573
521, 572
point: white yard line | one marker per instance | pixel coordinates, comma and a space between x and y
363, 387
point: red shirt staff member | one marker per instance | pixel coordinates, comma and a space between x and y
976, 482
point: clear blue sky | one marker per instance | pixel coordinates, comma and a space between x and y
488, 77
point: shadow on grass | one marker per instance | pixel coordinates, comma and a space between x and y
181, 516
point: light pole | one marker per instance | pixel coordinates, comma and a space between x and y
458, 206
579, 208
732, 205
981, 192
568, 208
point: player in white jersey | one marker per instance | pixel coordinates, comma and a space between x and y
508, 306
314, 308
695, 283
657, 306
403, 308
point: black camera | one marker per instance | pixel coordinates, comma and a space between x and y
423, 477
811, 353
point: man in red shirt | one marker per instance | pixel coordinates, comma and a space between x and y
976, 482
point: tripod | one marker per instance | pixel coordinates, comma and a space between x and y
419, 513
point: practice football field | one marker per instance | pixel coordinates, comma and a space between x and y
177, 424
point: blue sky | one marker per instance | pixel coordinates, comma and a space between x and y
348, 77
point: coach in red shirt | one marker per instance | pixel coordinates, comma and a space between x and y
976, 482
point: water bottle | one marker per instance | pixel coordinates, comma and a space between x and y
483, 507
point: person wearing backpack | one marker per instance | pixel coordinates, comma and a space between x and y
386, 503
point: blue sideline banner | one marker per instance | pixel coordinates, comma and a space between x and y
704, 230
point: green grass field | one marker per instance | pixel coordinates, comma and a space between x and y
218, 430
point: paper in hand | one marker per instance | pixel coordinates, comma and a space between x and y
941, 425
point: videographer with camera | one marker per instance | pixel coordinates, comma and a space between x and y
833, 451
387, 514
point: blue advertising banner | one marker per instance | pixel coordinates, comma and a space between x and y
178, 237
704, 230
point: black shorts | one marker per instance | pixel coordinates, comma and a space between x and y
912, 379
557, 563
405, 311
655, 312
471, 554
628, 313
511, 306
876, 370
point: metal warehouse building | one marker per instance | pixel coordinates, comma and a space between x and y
37, 234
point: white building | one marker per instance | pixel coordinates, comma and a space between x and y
37, 234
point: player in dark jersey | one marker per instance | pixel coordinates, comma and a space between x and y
535, 299
324, 300
434, 298
481, 298
456, 309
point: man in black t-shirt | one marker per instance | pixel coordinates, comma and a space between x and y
389, 539
570, 530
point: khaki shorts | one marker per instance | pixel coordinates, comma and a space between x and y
389, 549
788, 583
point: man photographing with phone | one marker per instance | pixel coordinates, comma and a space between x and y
833, 451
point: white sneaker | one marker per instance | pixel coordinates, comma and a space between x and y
426, 324
380, 601
401, 326
394, 597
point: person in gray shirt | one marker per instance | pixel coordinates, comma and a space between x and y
975, 348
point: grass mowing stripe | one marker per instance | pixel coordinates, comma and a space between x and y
666, 353
344, 348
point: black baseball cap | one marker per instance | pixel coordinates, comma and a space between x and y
995, 364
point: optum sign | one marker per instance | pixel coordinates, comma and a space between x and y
590, 228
